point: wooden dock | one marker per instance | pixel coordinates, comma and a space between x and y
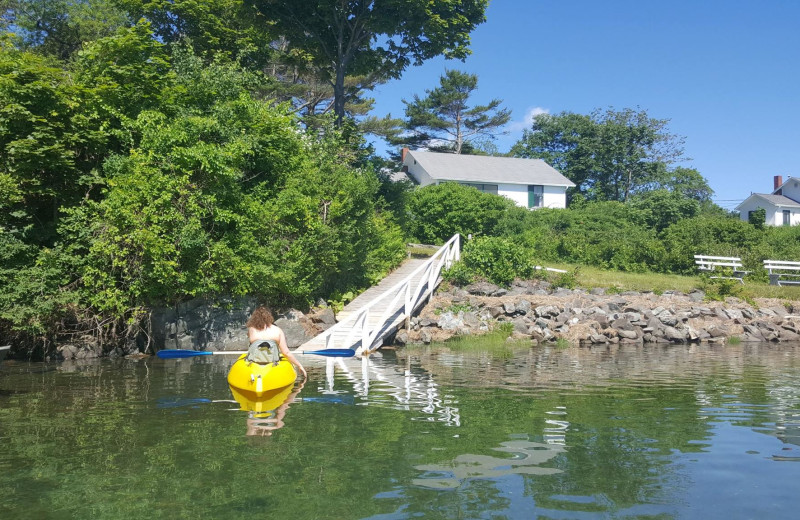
376, 313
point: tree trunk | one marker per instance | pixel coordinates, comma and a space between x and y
339, 96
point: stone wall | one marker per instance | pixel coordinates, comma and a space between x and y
533, 309
203, 324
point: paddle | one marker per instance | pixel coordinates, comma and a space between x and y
181, 353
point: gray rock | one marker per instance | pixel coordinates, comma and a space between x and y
717, 331
296, 333
733, 313
471, 320
481, 288
622, 324
547, 311
496, 311
675, 335
667, 319
509, 308
521, 325
697, 296
449, 321
324, 318
425, 336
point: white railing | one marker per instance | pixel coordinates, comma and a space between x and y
404, 296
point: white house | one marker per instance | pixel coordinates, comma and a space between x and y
782, 205
530, 183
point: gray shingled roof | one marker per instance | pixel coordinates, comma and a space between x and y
480, 168
779, 200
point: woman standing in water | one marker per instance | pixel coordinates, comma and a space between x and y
261, 327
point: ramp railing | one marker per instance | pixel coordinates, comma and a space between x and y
396, 304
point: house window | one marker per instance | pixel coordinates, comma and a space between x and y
485, 188
535, 196
787, 217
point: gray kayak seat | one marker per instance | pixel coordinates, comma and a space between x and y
263, 351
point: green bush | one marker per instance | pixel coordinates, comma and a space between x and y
458, 274
437, 212
497, 259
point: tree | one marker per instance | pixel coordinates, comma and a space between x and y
373, 39
60, 27
609, 155
231, 27
689, 183
444, 115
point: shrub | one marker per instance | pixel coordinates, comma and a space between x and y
435, 213
458, 274
497, 259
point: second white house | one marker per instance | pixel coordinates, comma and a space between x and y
781, 207
530, 183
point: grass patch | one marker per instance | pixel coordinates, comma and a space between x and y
421, 250
563, 343
618, 281
495, 343
734, 340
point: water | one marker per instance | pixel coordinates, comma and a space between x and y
613, 432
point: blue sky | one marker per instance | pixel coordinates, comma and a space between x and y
724, 72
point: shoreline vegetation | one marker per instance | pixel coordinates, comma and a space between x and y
144, 170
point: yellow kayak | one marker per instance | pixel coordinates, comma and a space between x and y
271, 399
256, 380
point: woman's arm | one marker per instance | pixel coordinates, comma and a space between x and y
288, 355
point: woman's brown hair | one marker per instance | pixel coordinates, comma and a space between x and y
261, 318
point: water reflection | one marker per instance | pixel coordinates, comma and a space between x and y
392, 385
526, 458
266, 414
612, 432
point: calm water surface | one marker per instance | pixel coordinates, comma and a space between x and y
617, 432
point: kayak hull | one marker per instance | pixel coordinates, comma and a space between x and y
271, 399
256, 380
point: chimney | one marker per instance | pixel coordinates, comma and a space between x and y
403, 153
777, 181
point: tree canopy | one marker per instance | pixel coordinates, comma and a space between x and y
372, 40
443, 120
611, 154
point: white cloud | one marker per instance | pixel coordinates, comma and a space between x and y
527, 120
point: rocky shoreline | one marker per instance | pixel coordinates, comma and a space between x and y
532, 310
535, 310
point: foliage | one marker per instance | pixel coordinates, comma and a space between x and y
458, 274
662, 208
343, 39
721, 286
159, 180
444, 121
437, 212
568, 280
46, 144
59, 28
758, 218
497, 259
709, 235
214, 27
611, 155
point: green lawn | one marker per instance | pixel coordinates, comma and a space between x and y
590, 277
